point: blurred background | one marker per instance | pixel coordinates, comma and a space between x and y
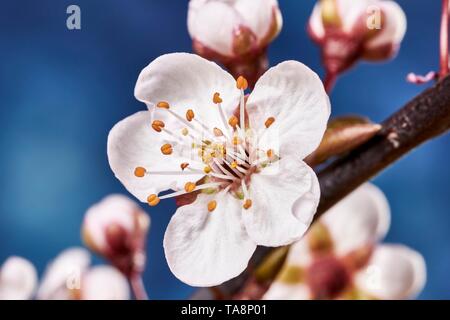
61, 92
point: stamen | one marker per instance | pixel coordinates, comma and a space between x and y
207, 169
269, 122
197, 188
189, 187
218, 132
184, 131
184, 165
184, 121
242, 170
247, 204
153, 200
260, 161
242, 152
241, 83
270, 153
224, 171
232, 153
236, 140
213, 174
216, 98
140, 172
190, 115
172, 173
163, 105
233, 121
235, 169
212, 205
157, 125
166, 149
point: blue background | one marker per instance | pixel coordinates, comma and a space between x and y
61, 91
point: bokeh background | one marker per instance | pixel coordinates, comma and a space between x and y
61, 92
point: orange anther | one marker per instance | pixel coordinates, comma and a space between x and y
153, 200
212, 205
269, 121
218, 132
184, 165
216, 98
189, 187
234, 165
270, 153
157, 125
207, 169
233, 121
163, 105
236, 141
190, 115
247, 204
242, 83
166, 149
140, 172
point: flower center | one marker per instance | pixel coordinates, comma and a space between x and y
327, 277
227, 157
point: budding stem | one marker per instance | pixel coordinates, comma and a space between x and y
137, 285
329, 81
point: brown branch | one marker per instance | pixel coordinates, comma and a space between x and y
425, 117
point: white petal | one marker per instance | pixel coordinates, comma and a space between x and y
212, 23
187, 81
394, 272
18, 279
294, 95
114, 209
133, 143
281, 291
64, 274
315, 22
258, 15
285, 198
362, 218
208, 248
104, 283
350, 12
353, 12
394, 26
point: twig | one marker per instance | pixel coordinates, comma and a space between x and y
425, 117
444, 39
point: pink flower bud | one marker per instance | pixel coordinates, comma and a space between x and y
18, 279
116, 228
104, 283
235, 33
70, 277
349, 30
